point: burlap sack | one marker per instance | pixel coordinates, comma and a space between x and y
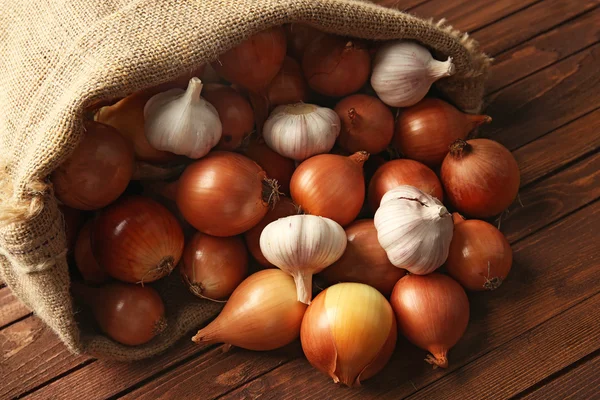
59, 58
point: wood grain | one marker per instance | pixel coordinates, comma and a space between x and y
11, 309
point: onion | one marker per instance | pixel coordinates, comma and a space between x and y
284, 208
275, 165
364, 260
330, 186
403, 172
261, 314
129, 314
254, 63
349, 333
481, 177
97, 172
84, 257
425, 131
225, 194
213, 267
432, 312
367, 124
288, 86
336, 66
480, 256
73, 220
299, 36
137, 240
235, 113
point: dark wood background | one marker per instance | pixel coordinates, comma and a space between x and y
537, 337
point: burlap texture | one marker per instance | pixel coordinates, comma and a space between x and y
58, 58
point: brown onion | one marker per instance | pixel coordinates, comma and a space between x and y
129, 314
84, 257
367, 124
425, 131
275, 165
261, 314
336, 66
299, 36
364, 260
254, 63
225, 194
432, 312
480, 256
403, 172
213, 267
235, 113
481, 177
137, 240
288, 86
284, 208
331, 186
97, 172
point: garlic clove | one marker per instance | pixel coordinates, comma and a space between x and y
182, 122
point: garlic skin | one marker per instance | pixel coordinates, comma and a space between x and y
403, 72
182, 122
303, 245
299, 131
414, 229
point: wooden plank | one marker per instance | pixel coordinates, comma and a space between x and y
11, 309
30, 354
546, 100
553, 270
529, 22
544, 50
525, 360
581, 382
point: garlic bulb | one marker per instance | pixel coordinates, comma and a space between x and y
182, 122
403, 72
414, 229
303, 245
299, 131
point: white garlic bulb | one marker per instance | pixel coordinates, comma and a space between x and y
303, 245
414, 229
182, 122
403, 72
299, 131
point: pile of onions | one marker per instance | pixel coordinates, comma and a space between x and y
288, 86
364, 260
225, 194
425, 131
349, 333
403, 172
137, 240
213, 267
480, 176
97, 172
480, 257
275, 165
330, 186
73, 220
299, 36
261, 314
432, 312
84, 257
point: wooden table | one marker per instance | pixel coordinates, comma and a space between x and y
537, 337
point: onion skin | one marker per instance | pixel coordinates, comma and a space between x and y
254, 63
129, 314
261, 314
299, 36
97, 172
213, 267
364, 260
481, 177
336, 66
330, 186
284, 208
137, 240
84, 257
363, 340
480, 257
235, 113
288, 86
432, 312
403, 172
275, 165
367, 124
425, 131
224, 194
